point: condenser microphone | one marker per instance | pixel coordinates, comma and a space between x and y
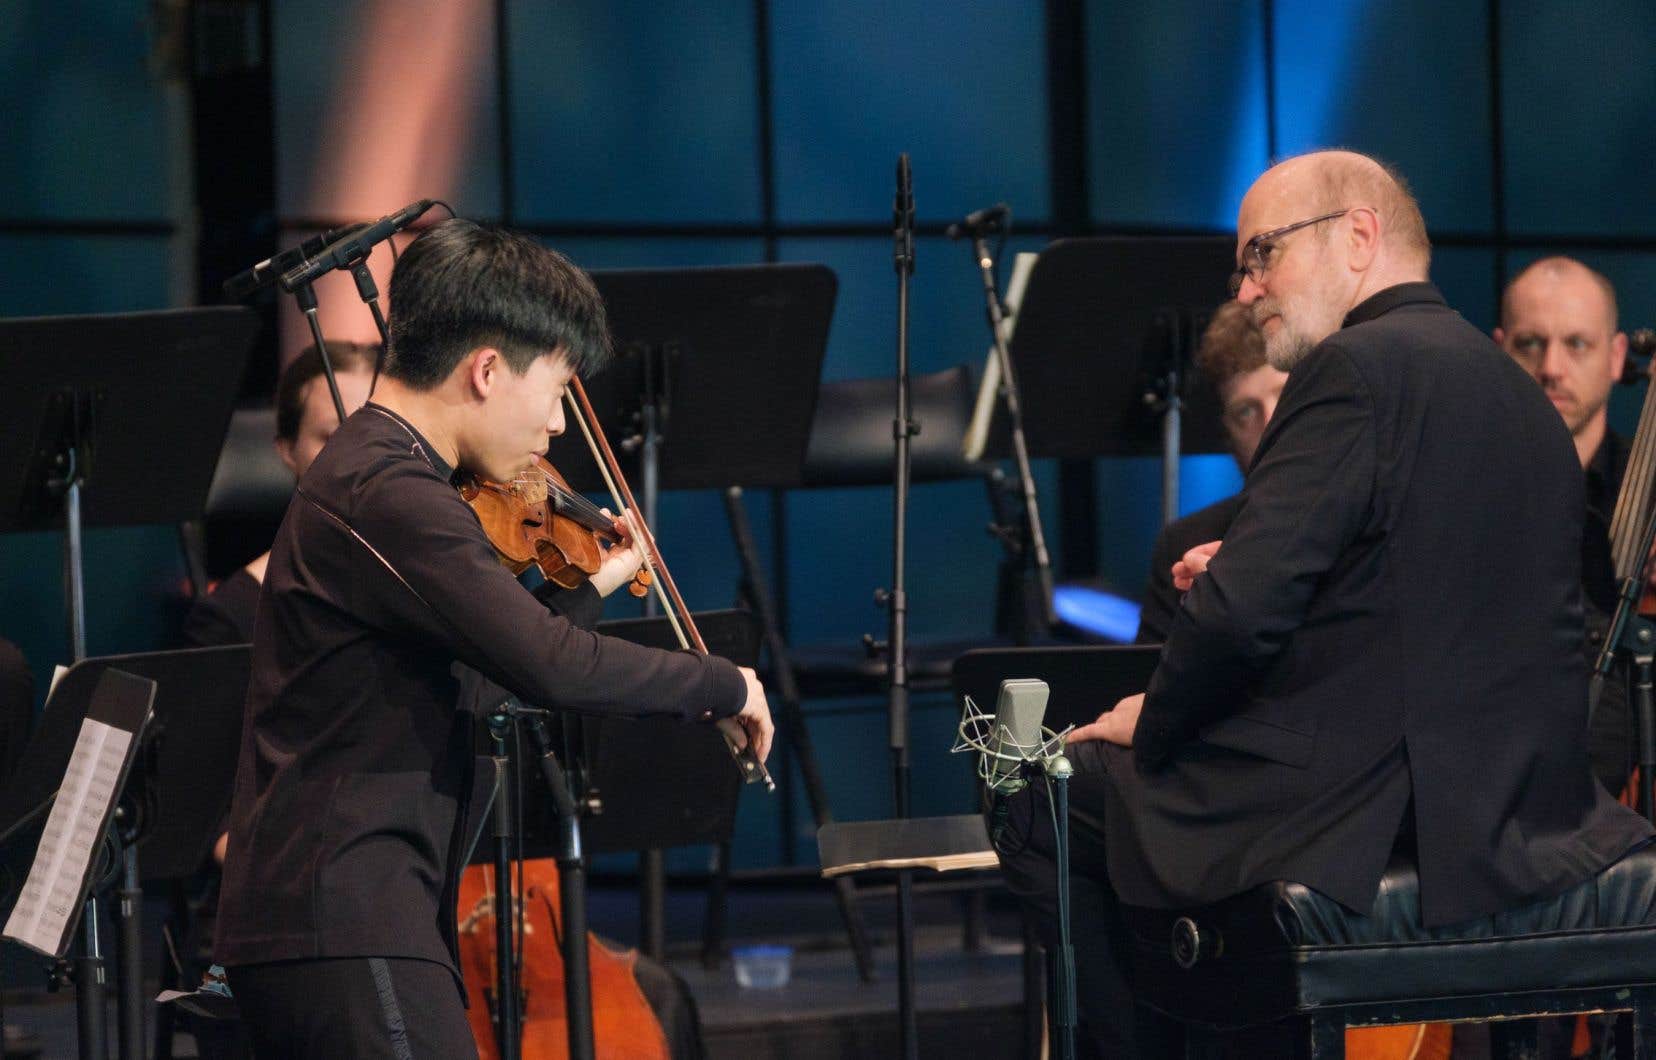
343, 253
270, 269
1018, 715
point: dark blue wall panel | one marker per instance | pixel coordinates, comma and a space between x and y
1175, 110
959, 86
634, 111
84, 112
1406, 80
1579, 99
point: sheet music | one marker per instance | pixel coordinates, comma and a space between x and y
51, 896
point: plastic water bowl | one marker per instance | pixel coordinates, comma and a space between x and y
762, 967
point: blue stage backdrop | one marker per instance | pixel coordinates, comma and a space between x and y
731, 131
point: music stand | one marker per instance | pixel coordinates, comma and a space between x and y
93, 403
725, 361
70, 785
710, 362
1102, 350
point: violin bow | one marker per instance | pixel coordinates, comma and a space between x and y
661, 579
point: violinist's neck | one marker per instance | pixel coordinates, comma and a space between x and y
431, 412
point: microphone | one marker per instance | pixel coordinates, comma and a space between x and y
980, 222
343, 253
270, 269
1018, 715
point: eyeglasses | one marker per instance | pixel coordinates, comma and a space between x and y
1256, 252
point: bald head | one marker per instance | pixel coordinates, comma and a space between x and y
1326, 181
1558, 321
1317, 235
1560, 273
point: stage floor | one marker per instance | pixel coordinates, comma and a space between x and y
968, 1003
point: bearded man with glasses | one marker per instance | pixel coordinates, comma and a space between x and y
1397, 598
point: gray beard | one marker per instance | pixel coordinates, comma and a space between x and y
1286, 349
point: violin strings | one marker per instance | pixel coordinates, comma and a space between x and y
643, 540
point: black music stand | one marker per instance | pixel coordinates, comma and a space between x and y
121, 702
1105, 335
92, 404
715, 387
177, 794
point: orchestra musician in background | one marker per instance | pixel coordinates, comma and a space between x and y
1558, 321
1231, 356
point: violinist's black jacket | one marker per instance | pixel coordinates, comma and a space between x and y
347, 819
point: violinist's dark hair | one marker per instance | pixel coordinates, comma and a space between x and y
305, 369
463, 285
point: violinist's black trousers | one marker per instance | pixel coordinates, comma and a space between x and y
386, 1008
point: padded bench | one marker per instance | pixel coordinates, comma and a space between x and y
1287, 969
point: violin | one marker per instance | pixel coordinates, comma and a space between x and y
537, 520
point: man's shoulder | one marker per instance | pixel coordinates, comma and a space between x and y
370, 453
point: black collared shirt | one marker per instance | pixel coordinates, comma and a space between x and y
354, 759
1394, 297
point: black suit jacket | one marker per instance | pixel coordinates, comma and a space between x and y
1395, 613
1161, 598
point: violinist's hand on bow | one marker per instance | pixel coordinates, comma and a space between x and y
1191, 564
621, 562
1116, 726
755, 717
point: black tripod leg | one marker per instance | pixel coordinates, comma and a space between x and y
796, 734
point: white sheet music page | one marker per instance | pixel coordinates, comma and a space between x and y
74, 830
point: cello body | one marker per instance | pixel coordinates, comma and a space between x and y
623, 1024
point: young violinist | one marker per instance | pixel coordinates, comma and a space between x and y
336, 924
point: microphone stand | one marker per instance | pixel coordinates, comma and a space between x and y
572, 893
368, 290
1058, 771
305, 295
508, 1007
1014, 412
896, 600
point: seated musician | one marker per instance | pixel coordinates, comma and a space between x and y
1232, 357
337, 922
1558, 321
305, 420
1354, 643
